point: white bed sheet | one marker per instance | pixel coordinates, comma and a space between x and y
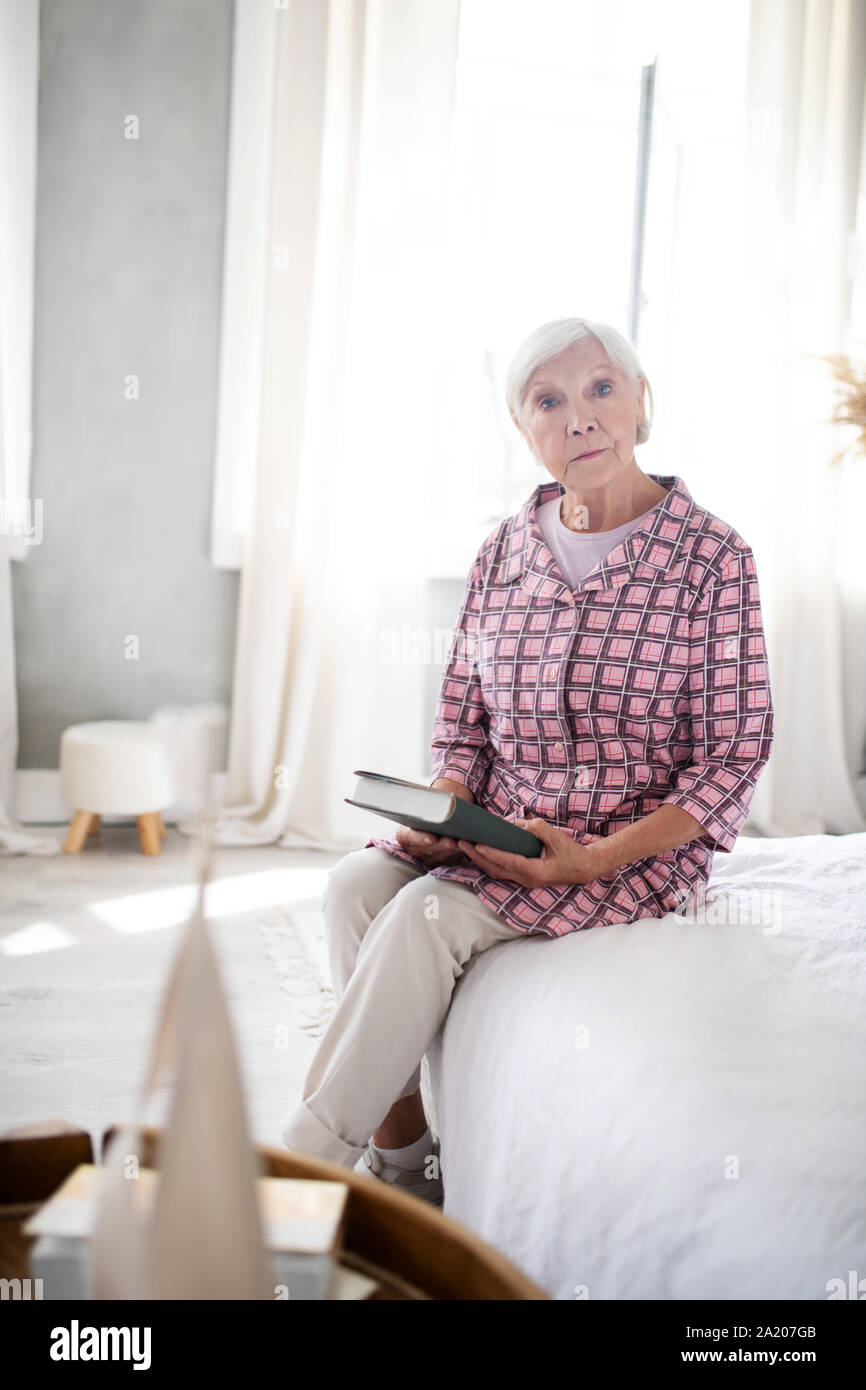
705, 1136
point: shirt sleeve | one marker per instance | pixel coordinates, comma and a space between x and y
460, 745
730, 704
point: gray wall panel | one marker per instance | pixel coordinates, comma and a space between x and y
128, 273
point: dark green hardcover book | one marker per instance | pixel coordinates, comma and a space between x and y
440, 812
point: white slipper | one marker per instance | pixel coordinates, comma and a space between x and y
414, 1180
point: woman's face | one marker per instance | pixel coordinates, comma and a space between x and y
579, 403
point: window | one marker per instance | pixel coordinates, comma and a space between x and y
538, 225
540, 218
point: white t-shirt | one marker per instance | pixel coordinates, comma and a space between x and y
578, 552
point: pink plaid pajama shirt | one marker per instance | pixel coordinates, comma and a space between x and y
646, 686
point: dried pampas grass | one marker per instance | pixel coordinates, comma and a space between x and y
850, 378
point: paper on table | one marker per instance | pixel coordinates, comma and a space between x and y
301, 1215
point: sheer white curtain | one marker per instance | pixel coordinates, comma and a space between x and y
334, 304
13, 838
20, 521
756, 176
806, 105
332, 321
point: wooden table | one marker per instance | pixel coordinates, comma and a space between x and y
409, 1246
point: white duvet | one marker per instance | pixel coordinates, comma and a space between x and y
668, 1109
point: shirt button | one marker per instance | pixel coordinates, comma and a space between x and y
558, 747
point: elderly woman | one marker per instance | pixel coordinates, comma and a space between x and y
607, 687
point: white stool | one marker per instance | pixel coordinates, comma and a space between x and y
115, 767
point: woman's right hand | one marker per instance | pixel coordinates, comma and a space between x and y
430, 849
435, 849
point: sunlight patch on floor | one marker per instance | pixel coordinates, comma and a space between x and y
35, 938
224, 897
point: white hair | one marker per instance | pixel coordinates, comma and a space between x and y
554, 337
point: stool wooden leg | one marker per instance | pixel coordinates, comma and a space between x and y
162, 830
79, 827
95, 824
148, 832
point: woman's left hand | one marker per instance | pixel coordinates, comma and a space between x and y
562, 861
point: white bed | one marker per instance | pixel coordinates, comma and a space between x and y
705, 1135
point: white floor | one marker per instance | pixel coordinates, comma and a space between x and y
85, 945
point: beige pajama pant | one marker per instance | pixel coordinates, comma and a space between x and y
398, 939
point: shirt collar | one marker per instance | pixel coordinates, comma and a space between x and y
648, 551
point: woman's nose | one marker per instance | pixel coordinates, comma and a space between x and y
580, 421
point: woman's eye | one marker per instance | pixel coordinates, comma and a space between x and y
544, 399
